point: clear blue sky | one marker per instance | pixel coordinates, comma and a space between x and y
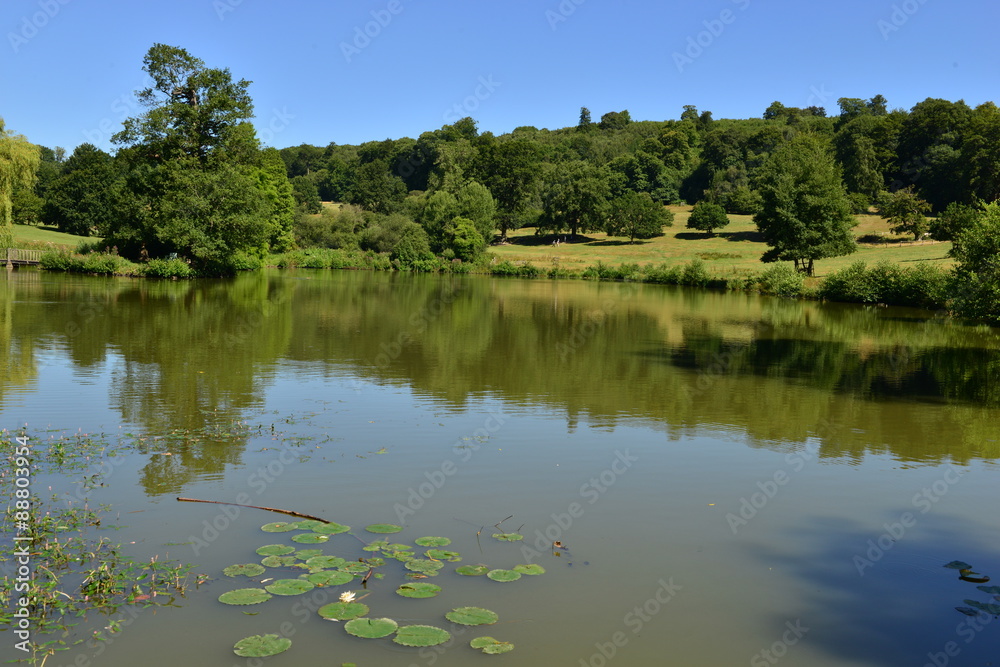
68, 67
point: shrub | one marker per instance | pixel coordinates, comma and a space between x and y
167, 268
781, 280
695, 274
707, 217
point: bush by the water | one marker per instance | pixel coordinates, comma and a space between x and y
922, 286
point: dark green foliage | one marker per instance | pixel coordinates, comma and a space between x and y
905, 211
84, 198
887, 283
956, 218
976, 293
306, 194
742, 201
780, 280
707, 217
330, 229
858, 203
804, 213
637, 216
574, 199
615, 120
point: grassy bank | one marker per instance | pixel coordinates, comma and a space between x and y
734, 251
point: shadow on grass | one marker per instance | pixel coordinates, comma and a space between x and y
694, 236
618, 242
754, 236
547, 239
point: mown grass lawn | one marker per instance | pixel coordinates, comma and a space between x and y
25, 235
734, 250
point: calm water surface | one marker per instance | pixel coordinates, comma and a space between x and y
738, 480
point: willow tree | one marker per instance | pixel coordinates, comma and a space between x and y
19, 161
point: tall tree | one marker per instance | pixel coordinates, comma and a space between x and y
707, 217
981, 153
585, 124
510, 169
804, 213
905, 211
19, 161
198, 183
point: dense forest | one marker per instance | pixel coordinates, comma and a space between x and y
190, 179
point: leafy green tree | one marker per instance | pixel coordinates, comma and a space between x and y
615, 120
707, 217
930, 150
477, 204
377, 189
464, 239
977, 275
511, 170
981, 153
306, 194
198, 183
637, 216
804, 213
84, 199
905, 211
955, 219
575, 199
19, 162
585, 124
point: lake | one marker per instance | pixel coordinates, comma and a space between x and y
732, 479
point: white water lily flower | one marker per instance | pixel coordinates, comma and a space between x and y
347, 596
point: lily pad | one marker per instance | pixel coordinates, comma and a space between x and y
418, 590
343, 611
441, 554
279, 527
421, 635
261, 646
306, 554
332, 528
355, 568
290, 587
309, 524
503, 575
958, 565
424, 566
245, 596
371, 628
968, 611
310, 538
383, 528
398, 547
275, 550
326, 561
432, 541
278, 561
992, 590
472, 570
329, 578
472, 616
532, 569
509, 537
988, 607
247, 569
377, 545
491, 646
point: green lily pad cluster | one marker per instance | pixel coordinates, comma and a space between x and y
319, 569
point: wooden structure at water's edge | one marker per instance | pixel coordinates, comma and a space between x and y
16, 257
